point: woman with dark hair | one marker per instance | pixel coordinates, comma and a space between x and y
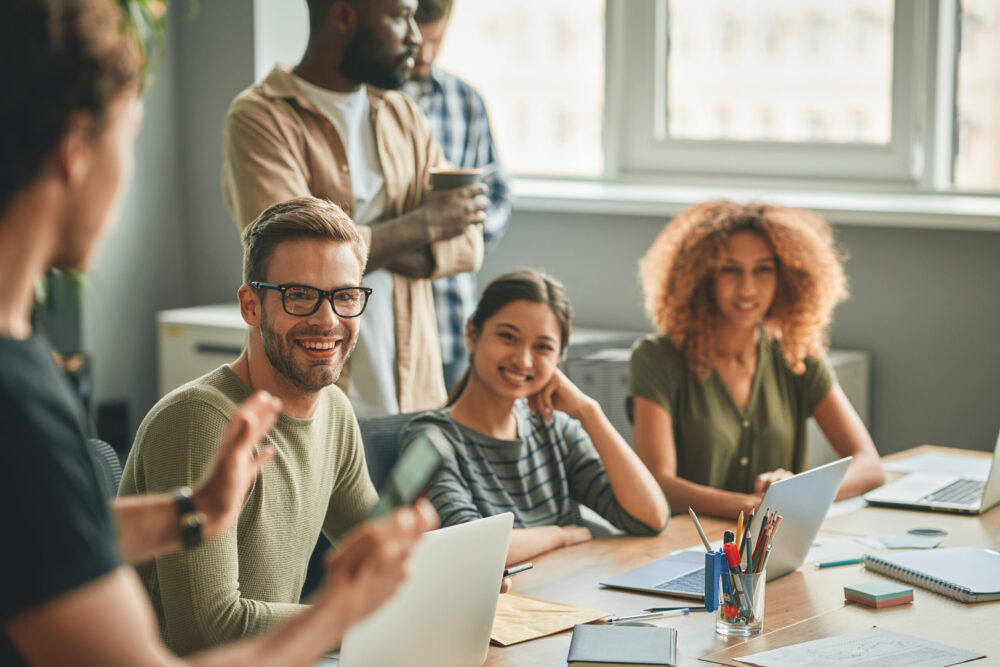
524, 438
743, 296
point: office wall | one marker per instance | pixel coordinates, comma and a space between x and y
215, 61
924, 301
141, 267
924, 304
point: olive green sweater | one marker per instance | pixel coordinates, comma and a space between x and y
250, 577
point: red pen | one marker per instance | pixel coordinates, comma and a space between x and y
733, 558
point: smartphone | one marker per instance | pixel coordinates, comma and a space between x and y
410, 477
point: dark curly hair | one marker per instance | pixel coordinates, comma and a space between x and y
678, 274
65, 56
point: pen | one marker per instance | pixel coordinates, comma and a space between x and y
836, 563
697, 524
648, 616
655, 609
514, 570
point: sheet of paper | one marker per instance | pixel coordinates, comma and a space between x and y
846, 506
942, 464
520, 618
828, 548
873, 646
910, 541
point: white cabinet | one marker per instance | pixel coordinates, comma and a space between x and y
194, 341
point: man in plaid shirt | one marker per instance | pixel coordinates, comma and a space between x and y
458, 117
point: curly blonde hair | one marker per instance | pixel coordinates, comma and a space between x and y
678, 278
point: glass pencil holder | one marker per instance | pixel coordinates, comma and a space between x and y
742, 614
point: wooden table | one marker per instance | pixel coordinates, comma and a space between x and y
804, 605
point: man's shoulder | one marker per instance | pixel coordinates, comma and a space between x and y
252, 103
275, 94
212, 397
447, 80
340, 406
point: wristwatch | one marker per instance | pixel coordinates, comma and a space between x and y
189, 518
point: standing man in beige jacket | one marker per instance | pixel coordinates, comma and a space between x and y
334, 127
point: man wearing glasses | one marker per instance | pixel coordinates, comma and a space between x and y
303, 262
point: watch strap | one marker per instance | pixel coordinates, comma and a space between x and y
190, 520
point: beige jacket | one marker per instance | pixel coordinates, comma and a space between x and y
277, 146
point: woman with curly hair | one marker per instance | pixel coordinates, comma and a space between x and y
742, 295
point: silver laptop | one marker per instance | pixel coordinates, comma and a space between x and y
442, 615
945, 493
802, 500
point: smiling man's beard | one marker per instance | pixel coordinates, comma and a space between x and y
361, 62
280, 352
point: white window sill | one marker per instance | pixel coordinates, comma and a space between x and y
933, 211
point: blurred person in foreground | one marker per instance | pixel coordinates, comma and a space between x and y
68, 598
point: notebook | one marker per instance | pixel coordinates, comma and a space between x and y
621, 645
945, 493
968, 574
803, 501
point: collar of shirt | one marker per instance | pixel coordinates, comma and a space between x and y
280, 83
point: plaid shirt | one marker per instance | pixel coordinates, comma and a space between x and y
458, 117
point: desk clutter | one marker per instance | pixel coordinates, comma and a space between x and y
520, 618
967, 574
622, 646
878, 594
740, 567
874, 646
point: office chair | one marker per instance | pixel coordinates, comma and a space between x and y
380, 436
107, 465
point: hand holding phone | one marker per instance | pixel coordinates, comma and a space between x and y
410, 477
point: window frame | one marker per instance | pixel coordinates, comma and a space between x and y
917, 157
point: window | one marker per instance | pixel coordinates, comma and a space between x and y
540, 68
977, 162
866, 93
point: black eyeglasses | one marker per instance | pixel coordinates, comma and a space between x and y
303, 300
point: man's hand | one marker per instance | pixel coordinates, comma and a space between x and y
765, 479
237, 463
417, 263
368, 566
449, 212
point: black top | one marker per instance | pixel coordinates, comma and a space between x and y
56, 526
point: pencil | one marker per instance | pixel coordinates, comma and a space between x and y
739, 526
697, 524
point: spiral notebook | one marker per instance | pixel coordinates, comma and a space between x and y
968, 574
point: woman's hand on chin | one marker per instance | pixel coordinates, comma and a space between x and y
559, 393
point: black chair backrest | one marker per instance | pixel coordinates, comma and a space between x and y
109, 467
381, 438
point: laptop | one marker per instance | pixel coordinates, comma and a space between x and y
802, 500
442, 614
944, 493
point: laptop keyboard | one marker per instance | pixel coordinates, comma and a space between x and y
692, 582
959, 492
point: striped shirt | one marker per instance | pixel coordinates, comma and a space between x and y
459, 120
542, 477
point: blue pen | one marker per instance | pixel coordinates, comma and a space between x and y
837, 563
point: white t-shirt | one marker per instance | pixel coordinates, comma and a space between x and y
372, 387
